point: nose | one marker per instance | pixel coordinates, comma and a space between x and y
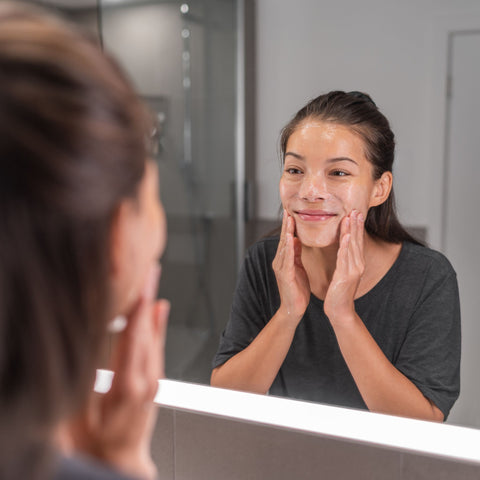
313, 188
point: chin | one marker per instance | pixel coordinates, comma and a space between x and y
318, 237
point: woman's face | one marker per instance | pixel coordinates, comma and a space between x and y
326, 175
139, 240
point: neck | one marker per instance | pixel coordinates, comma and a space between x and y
320, 264
320, 261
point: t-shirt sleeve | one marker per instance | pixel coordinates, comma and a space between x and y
247, 315
430, 354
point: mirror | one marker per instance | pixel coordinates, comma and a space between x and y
402, 53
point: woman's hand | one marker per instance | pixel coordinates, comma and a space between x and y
339, 300
117, 427
292, 279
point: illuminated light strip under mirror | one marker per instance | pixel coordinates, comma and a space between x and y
387, 431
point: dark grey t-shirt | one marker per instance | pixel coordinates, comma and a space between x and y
85, 468
413, 314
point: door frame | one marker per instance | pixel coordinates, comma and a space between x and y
445, 26
448, 113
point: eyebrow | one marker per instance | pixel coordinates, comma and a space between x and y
330, 160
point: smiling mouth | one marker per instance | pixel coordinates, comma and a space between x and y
315, 215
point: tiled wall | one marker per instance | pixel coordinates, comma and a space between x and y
192, 446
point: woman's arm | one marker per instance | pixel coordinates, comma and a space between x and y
383, 388
254, 369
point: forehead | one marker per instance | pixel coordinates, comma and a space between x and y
315, 137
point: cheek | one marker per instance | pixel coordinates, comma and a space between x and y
154, 237
287, 191
149, 244
356, 197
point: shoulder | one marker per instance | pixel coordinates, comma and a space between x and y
263, 249
424, 259
425, 271
82, 468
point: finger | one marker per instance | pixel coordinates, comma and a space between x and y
153, 353
163, 313
127, 361
356, 244
353, 234
128, 357
353, 225
147, 359
278, 260
297, 246
290, 225
155, 358
342, 264
283, 232
289, 251
343, 255
139, 321
144, 323
345, 226
361, 231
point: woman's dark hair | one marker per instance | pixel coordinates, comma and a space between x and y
357, 111
72, 147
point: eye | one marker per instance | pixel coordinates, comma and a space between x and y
293, 171
339, 173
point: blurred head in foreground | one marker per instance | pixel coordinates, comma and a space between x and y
80, 222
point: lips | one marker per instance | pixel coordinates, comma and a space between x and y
315, 215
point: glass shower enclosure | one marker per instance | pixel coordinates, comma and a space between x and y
185, 59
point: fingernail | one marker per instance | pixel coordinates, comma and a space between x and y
360, 217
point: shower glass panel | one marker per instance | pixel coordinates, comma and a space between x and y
182, 58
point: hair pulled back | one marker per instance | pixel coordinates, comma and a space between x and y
357, 111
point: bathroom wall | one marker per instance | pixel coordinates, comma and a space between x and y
387, 48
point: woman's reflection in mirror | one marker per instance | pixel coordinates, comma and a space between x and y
343, 306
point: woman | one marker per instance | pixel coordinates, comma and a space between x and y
81, 233
345, 307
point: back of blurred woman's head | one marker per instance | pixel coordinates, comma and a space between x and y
72, 147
